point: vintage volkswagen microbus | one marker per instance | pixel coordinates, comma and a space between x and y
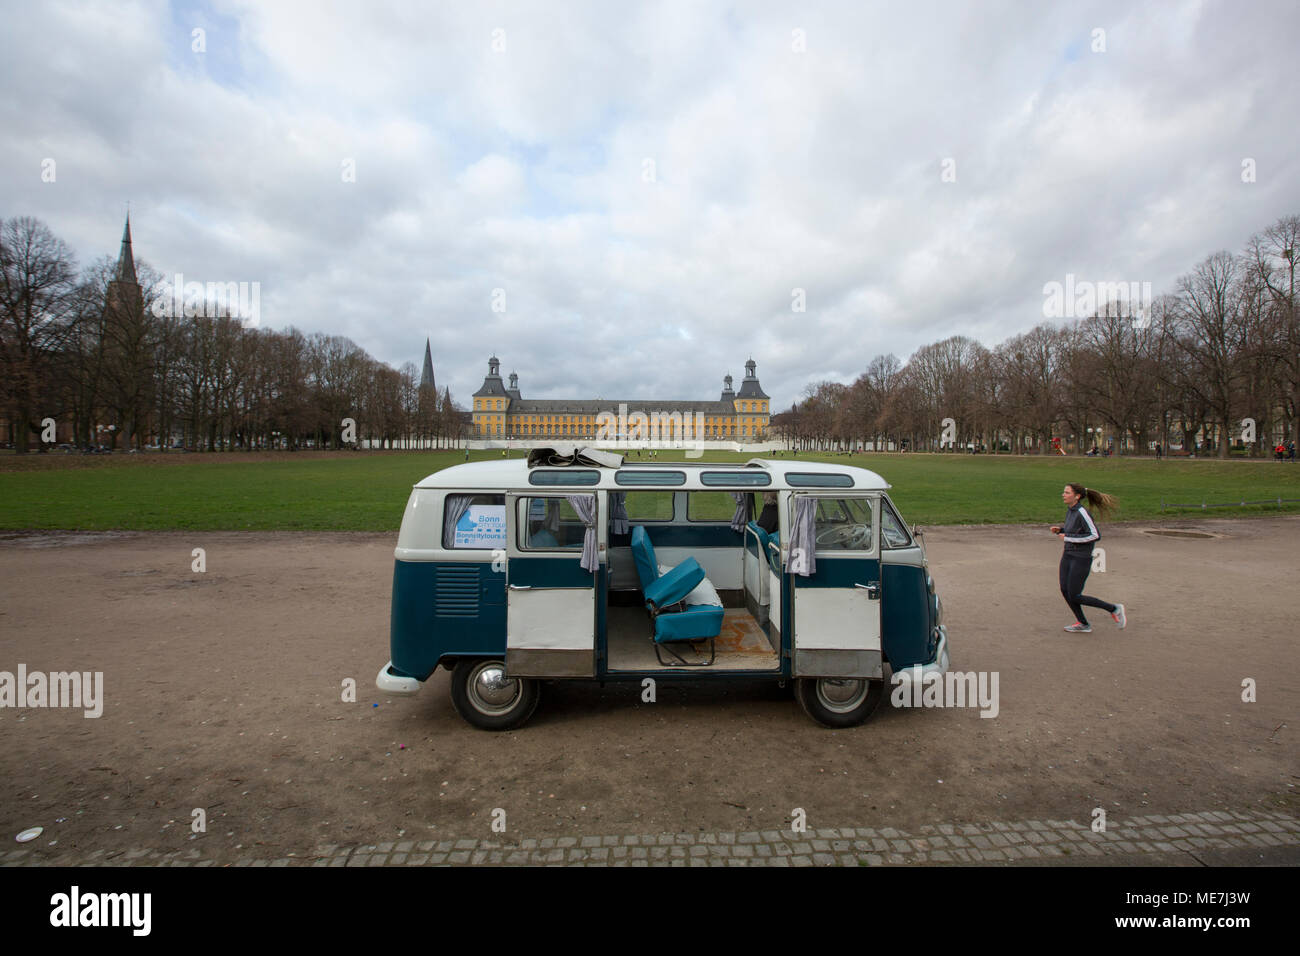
513, 572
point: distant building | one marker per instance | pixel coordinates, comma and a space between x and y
124, 293
501, 411
426, 376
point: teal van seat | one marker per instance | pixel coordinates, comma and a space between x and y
671, 620
673, 586
774, 555
697, 623
643, 554
542, 539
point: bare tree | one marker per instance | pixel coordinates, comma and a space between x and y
1216, 307
1271, 255
37, 281
1119, 383
1032, 364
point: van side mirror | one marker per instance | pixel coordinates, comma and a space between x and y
917, 532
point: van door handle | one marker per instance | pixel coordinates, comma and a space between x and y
873, 590
521, 587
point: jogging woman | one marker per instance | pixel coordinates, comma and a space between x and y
1080, 534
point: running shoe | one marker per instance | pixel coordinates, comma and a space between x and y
1077, 628
1118, 615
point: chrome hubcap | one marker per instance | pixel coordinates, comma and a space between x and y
490, 690
841, 695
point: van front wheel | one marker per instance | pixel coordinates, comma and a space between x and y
838, 702
488, 700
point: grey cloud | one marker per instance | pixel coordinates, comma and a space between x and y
774, 170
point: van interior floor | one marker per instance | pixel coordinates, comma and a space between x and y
741, 645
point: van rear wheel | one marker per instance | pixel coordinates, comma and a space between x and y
488, 700
838, 701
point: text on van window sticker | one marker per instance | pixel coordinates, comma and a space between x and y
482, 526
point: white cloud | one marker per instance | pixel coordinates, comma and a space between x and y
525, 169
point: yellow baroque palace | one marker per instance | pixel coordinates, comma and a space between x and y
500, 411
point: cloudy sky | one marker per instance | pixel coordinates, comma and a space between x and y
649, 184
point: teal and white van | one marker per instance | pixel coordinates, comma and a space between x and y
514, 572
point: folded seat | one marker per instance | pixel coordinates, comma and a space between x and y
683, 605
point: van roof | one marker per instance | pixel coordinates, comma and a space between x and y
783, 474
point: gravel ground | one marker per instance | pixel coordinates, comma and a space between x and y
222, 692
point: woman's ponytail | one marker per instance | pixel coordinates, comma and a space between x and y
1099, 501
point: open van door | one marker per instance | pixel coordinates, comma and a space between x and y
551, 599
756, 574
835, 609
835, 605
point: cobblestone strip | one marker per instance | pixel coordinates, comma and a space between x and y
944, 843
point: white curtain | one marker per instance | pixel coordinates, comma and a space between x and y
584, 506
552, 520
618, 523
803, 538
454, 509
742, 515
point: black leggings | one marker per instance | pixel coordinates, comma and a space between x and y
1075, 566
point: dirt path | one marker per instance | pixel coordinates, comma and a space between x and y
222, 692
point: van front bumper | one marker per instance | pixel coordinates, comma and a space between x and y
394, 683
938, 666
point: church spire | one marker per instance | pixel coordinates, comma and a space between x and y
125, 260
426, 377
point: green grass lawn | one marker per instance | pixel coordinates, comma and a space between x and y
367, 491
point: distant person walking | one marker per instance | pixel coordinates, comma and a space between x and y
1159, 451
1080, 534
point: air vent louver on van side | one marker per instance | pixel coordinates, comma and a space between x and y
456, 590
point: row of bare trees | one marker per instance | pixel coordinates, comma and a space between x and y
1218, 357
95, 355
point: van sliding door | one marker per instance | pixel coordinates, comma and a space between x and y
836, 609
550, 597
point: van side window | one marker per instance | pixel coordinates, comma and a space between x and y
892, 530
474, 521
710, 506
844, 524
550, 524
649, 506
